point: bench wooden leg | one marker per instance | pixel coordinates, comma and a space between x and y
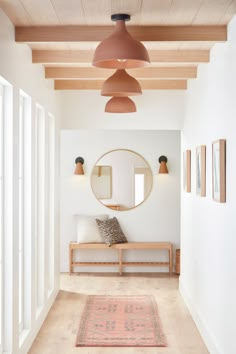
171, 259
120, 261
70, 260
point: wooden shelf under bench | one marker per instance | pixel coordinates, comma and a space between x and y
120, 247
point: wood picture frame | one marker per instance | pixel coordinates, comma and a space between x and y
219, 170
201, 170
187, 171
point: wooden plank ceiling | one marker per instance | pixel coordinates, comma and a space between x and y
63, 35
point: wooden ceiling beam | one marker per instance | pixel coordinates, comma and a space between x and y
86, 56
97, 84
168, 72
98, 33
179, 56
62, 56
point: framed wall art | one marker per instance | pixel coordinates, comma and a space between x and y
201, 170
187, 171
219, 170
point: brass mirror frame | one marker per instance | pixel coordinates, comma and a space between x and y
115, 206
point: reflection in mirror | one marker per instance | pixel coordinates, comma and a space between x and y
121, 179
101, 181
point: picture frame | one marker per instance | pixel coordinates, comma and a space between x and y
187, 171
201, 170
219, 170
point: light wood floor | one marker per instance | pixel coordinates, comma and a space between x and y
57, 335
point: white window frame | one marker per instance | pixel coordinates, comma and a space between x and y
40, 215
21, 213
25, 210
1, 212
9, 256
51, 202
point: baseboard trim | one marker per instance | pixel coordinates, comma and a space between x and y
204, 330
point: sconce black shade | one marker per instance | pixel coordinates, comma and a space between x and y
80, 160
79, 166
163, 168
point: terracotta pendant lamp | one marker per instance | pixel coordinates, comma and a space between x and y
121, 84
120, 105
120, 50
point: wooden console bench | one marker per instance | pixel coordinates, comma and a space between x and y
120, 247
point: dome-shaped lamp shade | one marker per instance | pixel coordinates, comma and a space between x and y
121, 84
120, 105
120, 50
79, 166
163, 168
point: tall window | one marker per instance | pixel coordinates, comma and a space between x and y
44, 205
40, 207
21, 212
6, 213
26, 216
51, 204
24, 206
1, 217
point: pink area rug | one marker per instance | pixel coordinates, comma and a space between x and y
120, 321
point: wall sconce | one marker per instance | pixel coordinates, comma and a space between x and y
79, 166
163, 168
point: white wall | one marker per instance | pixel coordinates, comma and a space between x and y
155, 110
16, 67
208, 228
157, 219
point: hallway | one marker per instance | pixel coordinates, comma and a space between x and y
58, 333
53, 113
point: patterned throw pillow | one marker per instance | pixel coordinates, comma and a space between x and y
110, 231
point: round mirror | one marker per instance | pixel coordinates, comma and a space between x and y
121, 179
